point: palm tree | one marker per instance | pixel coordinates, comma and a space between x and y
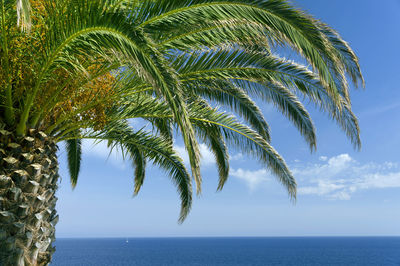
82, 69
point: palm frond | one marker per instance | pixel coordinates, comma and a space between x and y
139, 163
139, 145
256, 73
212, 122
230, 95
289, 104
24, 15
169, 62
212, 136
247, 141
74, 156
280, 18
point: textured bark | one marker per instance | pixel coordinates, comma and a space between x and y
28, 182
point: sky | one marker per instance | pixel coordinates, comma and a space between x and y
341, 191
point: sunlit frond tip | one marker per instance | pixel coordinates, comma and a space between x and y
74, 154
24, 15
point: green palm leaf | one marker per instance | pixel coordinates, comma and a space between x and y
170, 62
74, 156
139, 145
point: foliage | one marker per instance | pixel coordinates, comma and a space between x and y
83, 69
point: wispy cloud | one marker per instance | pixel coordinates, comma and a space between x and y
341, 176
337, 177
207, 157
102, 152
323, 158
252, 178
237, 157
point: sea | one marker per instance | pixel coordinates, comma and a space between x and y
232, 251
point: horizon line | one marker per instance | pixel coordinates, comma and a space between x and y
294, 236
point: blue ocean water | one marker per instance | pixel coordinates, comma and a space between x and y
362, 251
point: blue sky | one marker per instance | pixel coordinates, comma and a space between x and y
341, 191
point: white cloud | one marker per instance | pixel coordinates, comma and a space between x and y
207, 157
341, 176
323, 158
101, 151
237, 157
337, 177
339, 162
329, 168
252, 178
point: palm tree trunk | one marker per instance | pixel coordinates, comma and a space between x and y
28, 182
